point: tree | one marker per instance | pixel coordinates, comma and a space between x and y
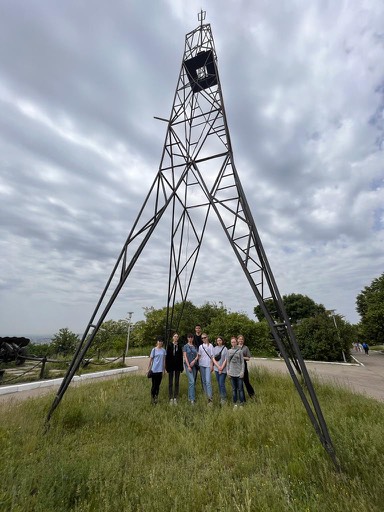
320, 339
111, 337
65, 342
297, 306
257, 335
41, 349
370, 306
206, 313
146, 331
214, 319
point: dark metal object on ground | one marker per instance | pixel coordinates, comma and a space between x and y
197, 176
13, 348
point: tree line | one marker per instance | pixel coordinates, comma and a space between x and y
321, 334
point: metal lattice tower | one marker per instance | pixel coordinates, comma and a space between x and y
197, 176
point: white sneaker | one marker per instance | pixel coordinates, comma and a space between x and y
171, 401
175, 401
192, 402
235, 406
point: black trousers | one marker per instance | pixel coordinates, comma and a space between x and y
173, 390
247, 384
156, 381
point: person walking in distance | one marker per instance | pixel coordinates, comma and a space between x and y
205, 355
247, 357
190, 365
157, 367
235, 369
174, 366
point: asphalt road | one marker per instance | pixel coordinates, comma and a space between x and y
365, 377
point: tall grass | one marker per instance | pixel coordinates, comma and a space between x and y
109, 449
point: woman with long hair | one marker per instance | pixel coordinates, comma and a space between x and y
235, 369
220, 366
205, 355
247, 357
190, 365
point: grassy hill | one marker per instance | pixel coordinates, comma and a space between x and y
109, 449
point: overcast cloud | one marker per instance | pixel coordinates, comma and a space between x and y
80, 84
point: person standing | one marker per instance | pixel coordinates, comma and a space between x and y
197, 341
366, 348
205, 356
190, 365
247, 357
235, 369
197, 337
220, 366
174, 366
157, 366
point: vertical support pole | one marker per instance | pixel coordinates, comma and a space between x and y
42, 371
129, 318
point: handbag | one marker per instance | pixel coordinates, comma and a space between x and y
150, 372
218, 356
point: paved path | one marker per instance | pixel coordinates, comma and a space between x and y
365, 377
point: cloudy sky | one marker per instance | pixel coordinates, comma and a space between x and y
80, 84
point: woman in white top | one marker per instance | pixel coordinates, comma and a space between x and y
205, 356
220, 366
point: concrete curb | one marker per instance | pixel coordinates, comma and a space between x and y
357, 362
28, 386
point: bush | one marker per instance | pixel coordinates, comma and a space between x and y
320, 340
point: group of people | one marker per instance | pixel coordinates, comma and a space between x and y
360, 347
199, 356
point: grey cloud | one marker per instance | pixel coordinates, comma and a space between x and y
79, 149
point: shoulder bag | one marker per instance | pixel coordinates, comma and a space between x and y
218, 356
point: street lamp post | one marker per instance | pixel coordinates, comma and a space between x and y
129, 318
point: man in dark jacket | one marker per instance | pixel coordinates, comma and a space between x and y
197, 341
174, 366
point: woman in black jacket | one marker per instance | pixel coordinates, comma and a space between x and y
174, 366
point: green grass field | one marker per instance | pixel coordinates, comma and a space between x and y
109, 449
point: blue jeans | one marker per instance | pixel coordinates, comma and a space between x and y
220, 377
205, 373
237, 389
191, 382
